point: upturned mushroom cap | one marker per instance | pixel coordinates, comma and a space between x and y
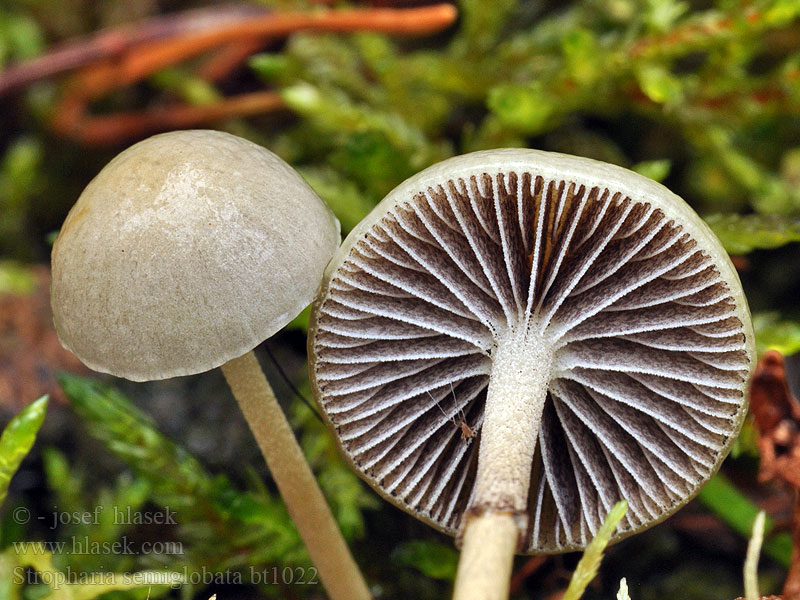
632, 305
187, 250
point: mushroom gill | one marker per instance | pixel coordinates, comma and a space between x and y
641, 335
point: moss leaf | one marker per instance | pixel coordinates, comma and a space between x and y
659, 84
17, 440
593, 555
656, 170
741, 234
433, 559
776, 334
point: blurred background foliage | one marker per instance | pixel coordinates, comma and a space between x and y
702, 95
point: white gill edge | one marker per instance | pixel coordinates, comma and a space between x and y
589, 261
563, 247
491, 275
554, 166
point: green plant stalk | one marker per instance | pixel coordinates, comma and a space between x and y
725, 501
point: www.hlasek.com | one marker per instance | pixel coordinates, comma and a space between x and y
175, 579
84, 545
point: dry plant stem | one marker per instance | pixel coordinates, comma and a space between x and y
496, 519
751, 562
128, 63
295, 481
228, 58
533, 564
110, 129
139, 62
126, 54
791, 587
121, 57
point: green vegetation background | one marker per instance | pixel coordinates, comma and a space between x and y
702, 95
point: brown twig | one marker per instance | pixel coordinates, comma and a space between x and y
127, 54
104, 130
219, 66
112, 43
133, 66
532, 565
119, 58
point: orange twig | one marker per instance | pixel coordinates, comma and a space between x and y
112, 43
227, 59
102, 130
133, 66
120, 58
532, 565
132, 52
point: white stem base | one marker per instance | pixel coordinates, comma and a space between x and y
487, 555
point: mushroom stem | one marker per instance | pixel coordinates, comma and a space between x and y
521, 370
487, 555
298, 488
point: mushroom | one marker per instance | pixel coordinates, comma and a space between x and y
183, 254
579, 319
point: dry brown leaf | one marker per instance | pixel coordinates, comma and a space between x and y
30, 353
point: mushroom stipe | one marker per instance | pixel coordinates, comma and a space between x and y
593, 329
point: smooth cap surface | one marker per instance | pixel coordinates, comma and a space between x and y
187, 250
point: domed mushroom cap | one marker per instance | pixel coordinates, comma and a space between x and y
618, 281
187, 250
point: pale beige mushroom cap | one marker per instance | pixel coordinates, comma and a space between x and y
187, 250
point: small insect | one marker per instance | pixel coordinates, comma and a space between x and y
459, 419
